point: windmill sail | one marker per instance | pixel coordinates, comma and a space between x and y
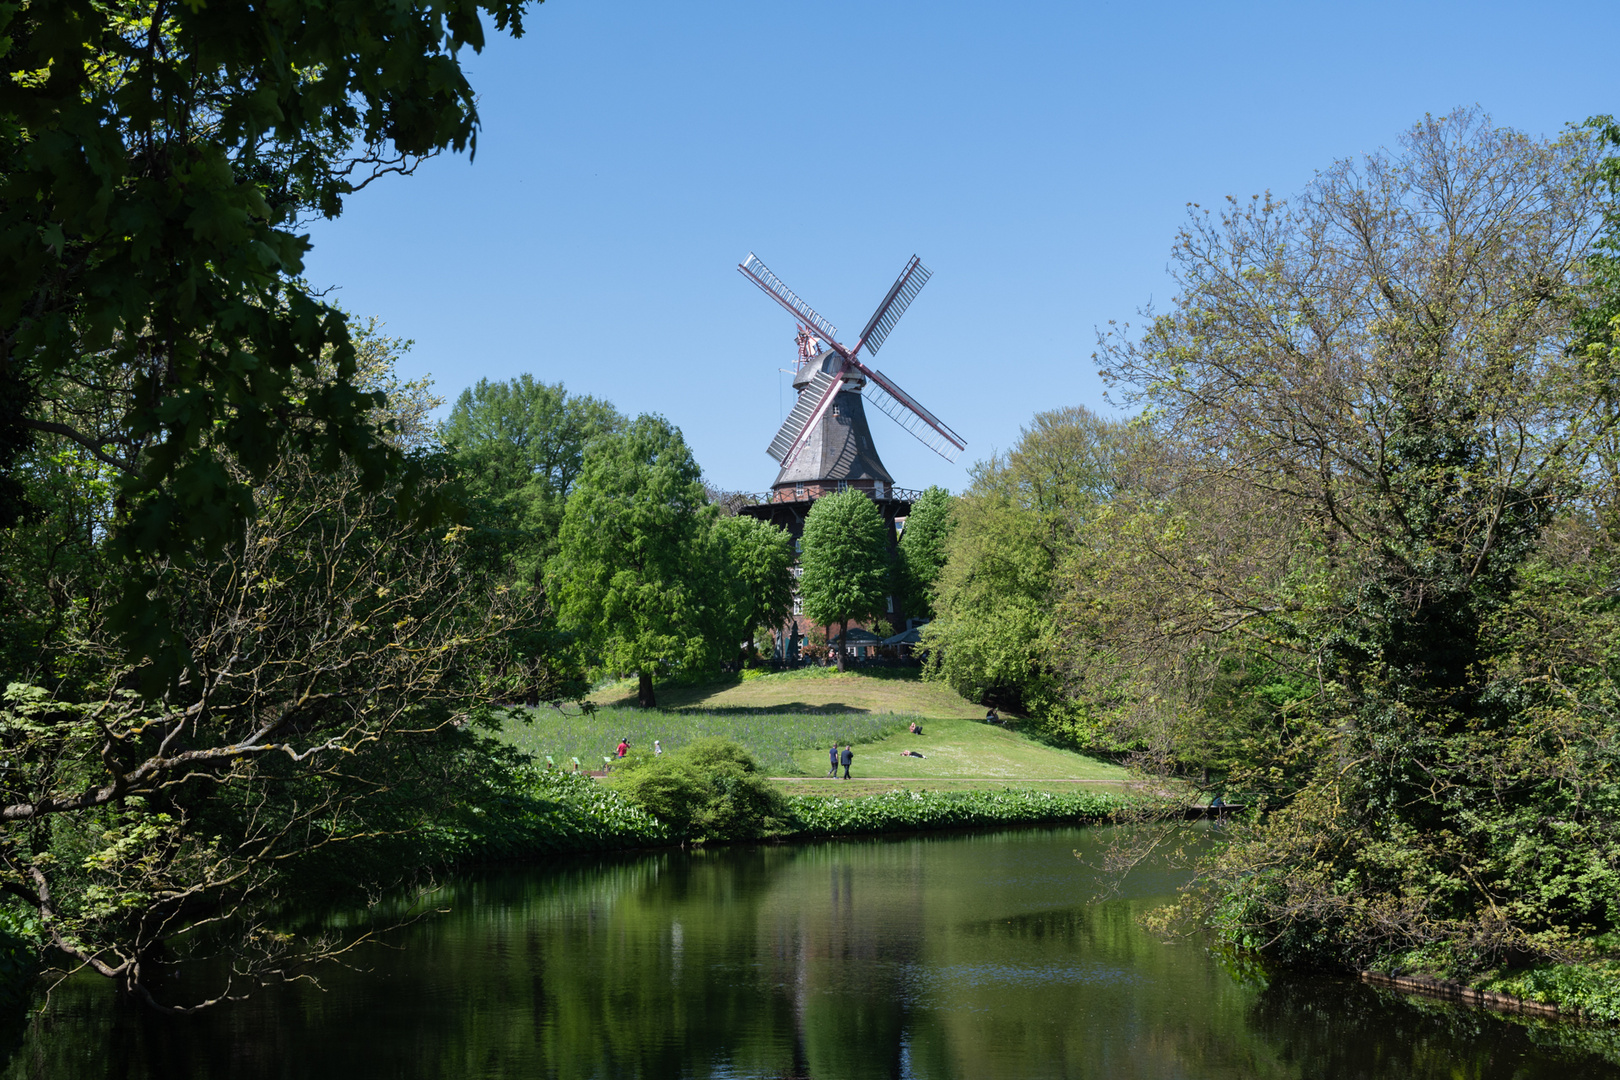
901, 294
813, 401
776, 289
905, 410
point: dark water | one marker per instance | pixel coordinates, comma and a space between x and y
963, 956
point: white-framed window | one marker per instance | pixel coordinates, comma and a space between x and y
877, 489
798, 491
798, 606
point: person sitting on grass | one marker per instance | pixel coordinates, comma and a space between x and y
991, 717
916, 728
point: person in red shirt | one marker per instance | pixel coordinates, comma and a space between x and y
624, 747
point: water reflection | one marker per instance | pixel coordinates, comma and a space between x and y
965, 956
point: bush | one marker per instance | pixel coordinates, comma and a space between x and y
709, 790
546, 813
895, 811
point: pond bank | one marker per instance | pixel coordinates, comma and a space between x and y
1445, 990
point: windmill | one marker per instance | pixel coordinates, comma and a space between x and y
825, 438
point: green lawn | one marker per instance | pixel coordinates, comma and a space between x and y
773, 738
809, 690
965, 750
788, 720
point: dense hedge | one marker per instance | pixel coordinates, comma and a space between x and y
903, 811
551, 813
542, 813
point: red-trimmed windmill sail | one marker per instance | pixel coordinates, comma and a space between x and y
836, 369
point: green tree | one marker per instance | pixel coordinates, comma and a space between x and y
519, 447
155, 161
845, 562
344, 649
1385, 426
1019, 527
636, 575
710, 789
758, 557
922, 549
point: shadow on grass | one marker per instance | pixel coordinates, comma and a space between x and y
804, 708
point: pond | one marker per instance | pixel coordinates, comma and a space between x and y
981, 955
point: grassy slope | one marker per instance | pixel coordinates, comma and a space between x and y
820, 690
960, 751
965, 750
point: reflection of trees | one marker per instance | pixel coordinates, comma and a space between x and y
950, 957
1397, 1035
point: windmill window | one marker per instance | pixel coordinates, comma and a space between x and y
798, 491
877, 488
798, 606
843, 485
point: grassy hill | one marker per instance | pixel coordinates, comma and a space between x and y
788, 720
821, 690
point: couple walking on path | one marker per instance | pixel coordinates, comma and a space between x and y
835, 758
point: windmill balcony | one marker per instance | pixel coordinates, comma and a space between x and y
789, 493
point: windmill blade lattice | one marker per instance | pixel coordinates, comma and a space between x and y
901, 294
906, 411
777, 289
813, 401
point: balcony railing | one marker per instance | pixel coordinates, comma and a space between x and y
811, 492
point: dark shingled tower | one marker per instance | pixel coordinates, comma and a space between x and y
840, 448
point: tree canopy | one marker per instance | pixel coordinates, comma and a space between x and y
519, 447
154, 164
343, 648
1018, 532
758, 557
635, 576
922, 550
1357, 578
845, 562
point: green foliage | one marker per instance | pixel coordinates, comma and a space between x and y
845, 561
996, 636
1367, 572
636, 575
758, 557
922, 550
156, 161
519, 447
1593, 989
526, 812
20, 948
900, 811
343, 647
710, 789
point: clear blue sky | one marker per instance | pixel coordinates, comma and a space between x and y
1038, 156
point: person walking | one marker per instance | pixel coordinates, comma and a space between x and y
624, 747
846, 757
832, 760
658, 748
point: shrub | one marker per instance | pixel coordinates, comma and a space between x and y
896, 811
709, 790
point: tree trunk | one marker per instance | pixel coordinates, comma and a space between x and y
644, 694
843, 643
